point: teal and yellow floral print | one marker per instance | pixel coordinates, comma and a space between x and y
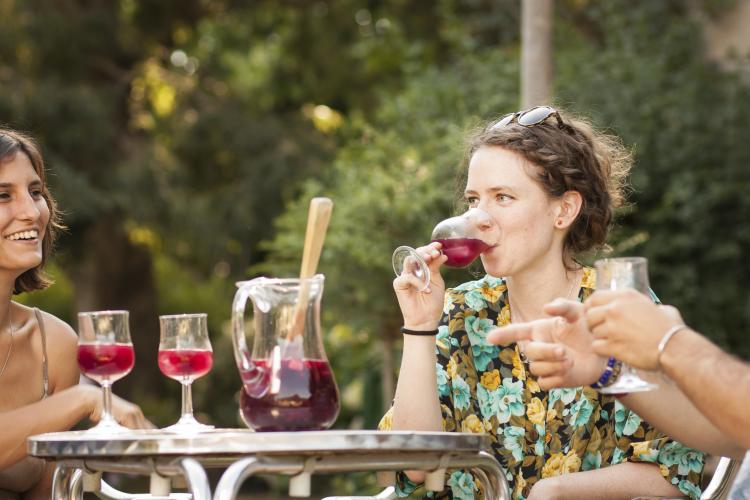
536, 434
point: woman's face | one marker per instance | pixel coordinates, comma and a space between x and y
24, 215
522, 226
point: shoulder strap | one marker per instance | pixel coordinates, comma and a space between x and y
45, 373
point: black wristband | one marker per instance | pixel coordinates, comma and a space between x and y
423, 333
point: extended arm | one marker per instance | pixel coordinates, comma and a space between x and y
58, 412
628, 326
416, 405
68, 404
561, 352
716, 382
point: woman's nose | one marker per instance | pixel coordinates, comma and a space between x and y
480, 218
28, 209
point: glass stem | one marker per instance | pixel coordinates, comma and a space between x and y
187, 398
107, 405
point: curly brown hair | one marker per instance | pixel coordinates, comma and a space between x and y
13, 142
571, 157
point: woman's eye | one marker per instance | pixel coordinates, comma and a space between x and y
36, 193
472, 201
504, 197
4, 196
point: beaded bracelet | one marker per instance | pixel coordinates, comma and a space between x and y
610, 374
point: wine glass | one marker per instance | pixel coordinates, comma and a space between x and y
616, 274
105, 354
184, 355
461, 242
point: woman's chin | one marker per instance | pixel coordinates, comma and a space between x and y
29, 263
494, 269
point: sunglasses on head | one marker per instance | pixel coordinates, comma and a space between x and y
530, 117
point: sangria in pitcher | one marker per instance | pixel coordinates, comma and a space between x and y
288, 384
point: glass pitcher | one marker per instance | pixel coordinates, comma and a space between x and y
288, 384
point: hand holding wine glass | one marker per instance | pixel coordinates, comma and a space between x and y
184, 355
617, 274
105, 354
422, 306
460, 241
124, 412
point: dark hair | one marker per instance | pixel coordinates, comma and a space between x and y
574, 157
11, 143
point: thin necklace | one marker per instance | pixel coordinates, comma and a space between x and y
510, 306
522, 354
10, 349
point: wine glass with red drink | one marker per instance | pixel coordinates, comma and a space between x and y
460, 239
184, 355
105, 354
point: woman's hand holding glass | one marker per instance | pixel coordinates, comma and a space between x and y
456, 242
422, 306
460, 239
124, 412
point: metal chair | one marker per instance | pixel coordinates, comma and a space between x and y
387, 494
718, 476
719, 472
92, 483
722, 477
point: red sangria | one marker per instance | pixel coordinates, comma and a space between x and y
185, 363
296, 395
461, 251
105, 361
462, 239
105, 354
185, 354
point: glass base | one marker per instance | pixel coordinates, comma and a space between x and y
407, 261
108, 427
627, 383
187, 424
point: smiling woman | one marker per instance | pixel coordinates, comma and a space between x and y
38, 368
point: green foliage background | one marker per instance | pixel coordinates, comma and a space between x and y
200, 130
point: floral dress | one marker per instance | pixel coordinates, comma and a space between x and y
535, 434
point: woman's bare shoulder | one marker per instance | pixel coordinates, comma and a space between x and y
61, 345
59, 334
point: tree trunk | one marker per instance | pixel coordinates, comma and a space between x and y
536, 52
110, 272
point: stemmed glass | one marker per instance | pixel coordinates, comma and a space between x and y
105, 354
461, 241
184, 355
616, 274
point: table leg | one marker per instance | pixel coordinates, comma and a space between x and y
496, 485
197, 481
77, 484
159, 486
235, 475
64, 481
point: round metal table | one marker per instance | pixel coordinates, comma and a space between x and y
244, 453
